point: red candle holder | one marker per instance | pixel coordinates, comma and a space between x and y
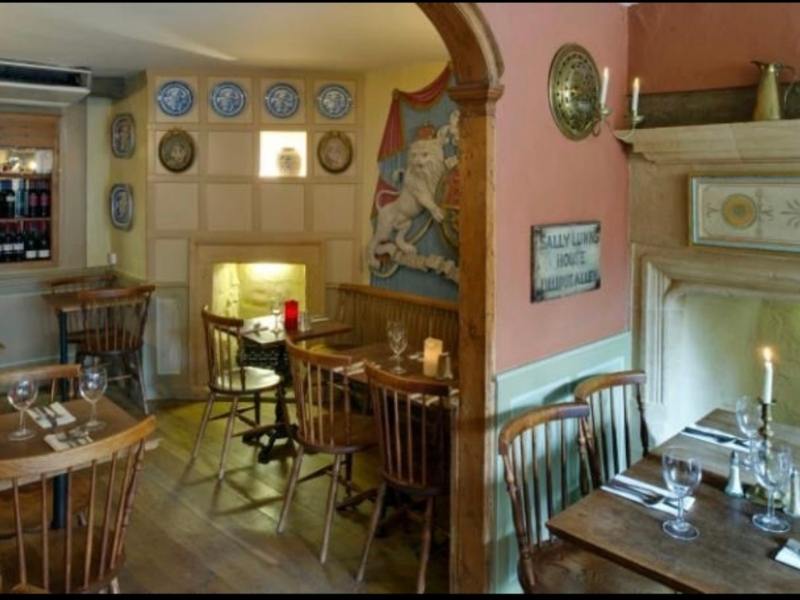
290, 313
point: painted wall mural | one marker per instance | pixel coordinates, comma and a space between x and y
414, 244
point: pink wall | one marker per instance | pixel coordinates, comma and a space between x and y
542, 177
694, 46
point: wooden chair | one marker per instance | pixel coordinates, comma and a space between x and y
77, 284
76, 559
539, 455
610, 397
229, 377
113, 330
411, 417
326, 423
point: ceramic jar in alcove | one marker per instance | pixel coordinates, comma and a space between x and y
289, 162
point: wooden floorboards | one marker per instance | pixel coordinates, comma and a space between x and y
190, 533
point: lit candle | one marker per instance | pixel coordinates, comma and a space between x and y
430, 359
635, 99
604, 89
768, 372
290, 309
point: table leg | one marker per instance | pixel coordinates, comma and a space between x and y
282, 429
60, 482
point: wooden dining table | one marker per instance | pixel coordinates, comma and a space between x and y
730, 555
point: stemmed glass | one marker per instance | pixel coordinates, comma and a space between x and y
276, 316
772, 466
92, 385
748, 418
398, 342
682, 474
21, 397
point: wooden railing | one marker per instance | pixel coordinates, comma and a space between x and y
368, 309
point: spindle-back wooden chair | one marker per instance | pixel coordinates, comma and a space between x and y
612, 398
326, 423
411, 417
76, 559
79, 283
113, 330
230, 378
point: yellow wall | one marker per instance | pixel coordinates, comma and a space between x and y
98, 167
130, 246
378, 87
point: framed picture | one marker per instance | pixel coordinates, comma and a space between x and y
176, 150
565, 259
121, 204
335, 152
755, 212
123, 136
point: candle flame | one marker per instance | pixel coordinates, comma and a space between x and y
768, 354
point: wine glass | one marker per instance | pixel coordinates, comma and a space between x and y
92, 385
276, 316
772, 465
748, 418
398, 342
682, 474
21, 396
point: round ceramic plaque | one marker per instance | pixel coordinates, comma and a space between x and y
282, 100
123, 136
334, 101
335, 152
739, 211
175, 98
121, 205
228, 99
176, 150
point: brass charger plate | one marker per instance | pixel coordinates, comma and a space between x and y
176, 150
574, 91
335, 152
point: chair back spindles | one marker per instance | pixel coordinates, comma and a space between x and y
114, 319
608, 397
78, 284
224, 347
77, 567
52, 376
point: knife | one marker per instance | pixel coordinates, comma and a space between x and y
723, 439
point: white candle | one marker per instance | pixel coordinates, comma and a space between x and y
430, 358
604, 89
768, 373
635, 99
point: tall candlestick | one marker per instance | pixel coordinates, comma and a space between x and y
604, 89
768, 373
635, 99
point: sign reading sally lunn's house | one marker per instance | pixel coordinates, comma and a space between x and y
565, 259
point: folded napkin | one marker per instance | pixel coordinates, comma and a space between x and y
789, 554
319, 318
663, 506
732, 442
55, 410
416, 356
65, 441
354, 369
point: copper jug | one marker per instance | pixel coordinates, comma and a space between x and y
769, 105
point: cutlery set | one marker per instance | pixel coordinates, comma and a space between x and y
720, 438
648, 497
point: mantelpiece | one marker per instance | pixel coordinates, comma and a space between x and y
757, 141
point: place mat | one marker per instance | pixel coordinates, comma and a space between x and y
64, 440
662, 506
43, 416
707, 434
789, 554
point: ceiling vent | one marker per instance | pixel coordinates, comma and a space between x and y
34, 84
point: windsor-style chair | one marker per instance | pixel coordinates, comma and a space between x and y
113, 330
67, 285
610, 398
411, 418
543, 475
230, 377
75, 559
326, 423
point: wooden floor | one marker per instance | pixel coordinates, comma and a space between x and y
190, 533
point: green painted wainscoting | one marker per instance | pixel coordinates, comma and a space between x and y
545, 382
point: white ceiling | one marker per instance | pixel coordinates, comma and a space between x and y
122, 38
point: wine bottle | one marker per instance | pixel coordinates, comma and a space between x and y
33, 198
44, 244
30, 245
44, 199
8, 246
19, 246
10, 208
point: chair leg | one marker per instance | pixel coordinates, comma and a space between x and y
348, 475
137, 374
326, 535
228, 435
426, 545
298, 460
373, 527
113, 586
203, 424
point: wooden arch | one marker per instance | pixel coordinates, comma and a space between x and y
478, 67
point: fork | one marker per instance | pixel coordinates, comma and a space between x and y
648, 498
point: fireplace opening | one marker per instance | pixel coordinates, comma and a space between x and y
248, 290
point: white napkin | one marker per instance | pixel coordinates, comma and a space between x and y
662, 506
789, 554
355, 369
711, 430
319, 318
63, 416
63, 441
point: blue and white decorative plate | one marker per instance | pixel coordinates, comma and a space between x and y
228, 99
282, 100
334, 101
175, 98
121, 204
